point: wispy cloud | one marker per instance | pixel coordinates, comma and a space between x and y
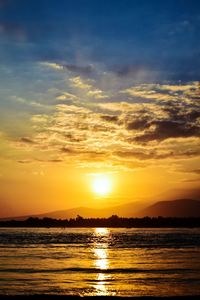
66, 96
80, 83
97, 94
52, 65
78, 69
26, 140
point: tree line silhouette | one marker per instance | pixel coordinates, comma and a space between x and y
113, 221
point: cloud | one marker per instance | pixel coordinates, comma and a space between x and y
173, 114
27, 140
158, 154
165, 93
97, 94
55, 160
72, 109
139, 124
147, 92
51, 65
67, 150
191, 180
125, 70
128, 134
42, 118
118, 106
109, 118
166, 129
24, 161
90, 90
195, 171
84, 70
79, 83
143, 155
66, 96
31, 103
137, 72
179, 88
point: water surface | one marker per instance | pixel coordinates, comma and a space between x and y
100, 261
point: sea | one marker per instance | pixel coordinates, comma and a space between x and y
100, 261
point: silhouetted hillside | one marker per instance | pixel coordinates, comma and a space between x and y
126, 210
175, 208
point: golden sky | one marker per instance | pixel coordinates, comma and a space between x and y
143, 137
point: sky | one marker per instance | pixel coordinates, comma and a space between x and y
98, 89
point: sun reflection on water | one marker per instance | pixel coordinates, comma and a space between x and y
101, 288
101, 261
102, 231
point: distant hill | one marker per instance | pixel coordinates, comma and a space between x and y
126, 210
174, 208
183, 193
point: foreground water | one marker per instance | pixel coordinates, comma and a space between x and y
100, 261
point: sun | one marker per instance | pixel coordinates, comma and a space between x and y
101, 185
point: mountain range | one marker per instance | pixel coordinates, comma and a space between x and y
172, 208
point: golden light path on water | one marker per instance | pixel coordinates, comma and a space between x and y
101, 262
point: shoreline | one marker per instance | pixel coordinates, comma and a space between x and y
111, 222
53, 296
112, 227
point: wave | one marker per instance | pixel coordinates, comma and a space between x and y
126, 239
97, 270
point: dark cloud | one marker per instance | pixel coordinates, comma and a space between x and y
132, 69
72, 138
84, 70
27, 140
24, 161
94, 153
193, 115
166, 129
195, 171
56, 160
190, 153
153, 154
181, 122
192, 180
125, 70
185, 68
143, 155
67, 150
109, 118
179, 112
139, 124
89, 153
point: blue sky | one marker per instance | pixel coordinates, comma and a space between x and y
121, 35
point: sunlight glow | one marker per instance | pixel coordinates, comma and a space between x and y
101, 231
101, 185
